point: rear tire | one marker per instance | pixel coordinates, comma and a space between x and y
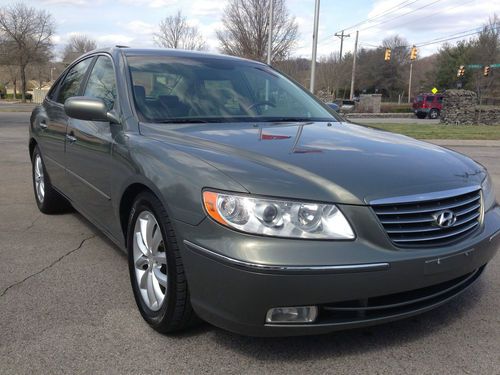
156, 270
48, 200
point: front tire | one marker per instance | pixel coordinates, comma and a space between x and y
433, 114
156, 269
421, 115
48, 200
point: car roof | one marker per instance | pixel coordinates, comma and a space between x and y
168, 52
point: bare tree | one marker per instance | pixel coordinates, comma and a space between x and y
9, 74
25, 34
246, 29
77, 45
175, 32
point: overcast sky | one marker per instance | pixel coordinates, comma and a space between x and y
132, 22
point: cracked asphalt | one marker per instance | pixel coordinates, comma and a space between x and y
66, 306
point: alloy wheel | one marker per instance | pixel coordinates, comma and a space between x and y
150, 260
39, 178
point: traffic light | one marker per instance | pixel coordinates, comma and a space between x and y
413, 53
387, 56
461, 71
486, 71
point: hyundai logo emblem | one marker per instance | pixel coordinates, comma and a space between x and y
445, 219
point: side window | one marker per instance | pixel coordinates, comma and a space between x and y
102, 82
429, 99
53, 90
72, 81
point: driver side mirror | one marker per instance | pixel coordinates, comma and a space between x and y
88, 109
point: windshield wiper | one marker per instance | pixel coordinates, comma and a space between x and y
287, 119
180, 121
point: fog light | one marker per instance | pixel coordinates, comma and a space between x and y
301, 314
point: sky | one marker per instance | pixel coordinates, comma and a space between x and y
133, 22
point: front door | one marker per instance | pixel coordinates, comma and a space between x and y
89, 147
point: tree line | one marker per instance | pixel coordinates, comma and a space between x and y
27, 51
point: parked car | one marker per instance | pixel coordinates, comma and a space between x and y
345, 105
334, 106
242, 200
428, 105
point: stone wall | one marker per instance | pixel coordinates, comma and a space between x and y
369, 103
488, 115
460, 107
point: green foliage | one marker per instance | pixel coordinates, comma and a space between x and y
437, 131
448, 60
395, 108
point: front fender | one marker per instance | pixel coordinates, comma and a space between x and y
176, 177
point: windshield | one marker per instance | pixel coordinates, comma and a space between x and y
210, 89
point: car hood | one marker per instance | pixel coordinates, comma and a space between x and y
335, 162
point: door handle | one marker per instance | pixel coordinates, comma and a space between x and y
70, 138
43, 124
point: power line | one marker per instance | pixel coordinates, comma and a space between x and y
406, 23
388, 11
475, 29
456, 37
402, 15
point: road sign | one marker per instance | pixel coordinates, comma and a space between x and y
434, 90
494, 65
474, 66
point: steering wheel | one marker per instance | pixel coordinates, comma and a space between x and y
258, 104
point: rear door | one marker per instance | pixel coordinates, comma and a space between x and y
89, 146
54, 121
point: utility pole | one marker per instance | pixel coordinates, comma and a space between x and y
342, 36
270, 41
353, 75
315, 45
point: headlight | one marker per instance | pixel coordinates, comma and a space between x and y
488, 193
277, 217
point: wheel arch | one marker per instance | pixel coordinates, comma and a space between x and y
32, 144
127, 200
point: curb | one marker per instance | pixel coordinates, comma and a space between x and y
464, 142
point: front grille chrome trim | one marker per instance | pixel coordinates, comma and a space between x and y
424, 196
428, 209
413, 223
451, 234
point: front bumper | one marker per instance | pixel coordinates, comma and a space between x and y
235, 279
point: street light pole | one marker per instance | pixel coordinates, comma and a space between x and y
270, 41
353, 74
315, 45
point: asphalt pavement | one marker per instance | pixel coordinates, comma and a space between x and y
66, 306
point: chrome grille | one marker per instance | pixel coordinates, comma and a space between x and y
414, 223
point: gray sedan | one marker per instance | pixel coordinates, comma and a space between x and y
242, 200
